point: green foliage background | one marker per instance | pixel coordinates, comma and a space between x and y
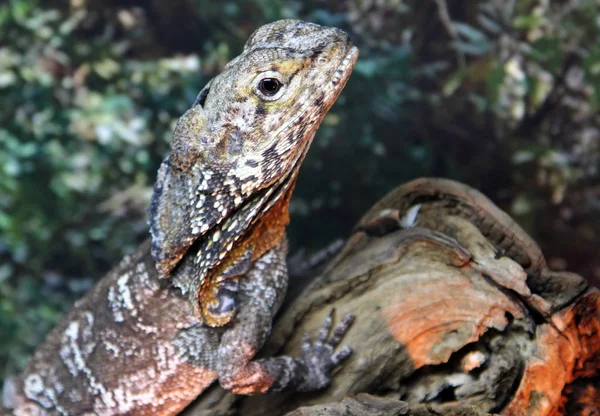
502, 95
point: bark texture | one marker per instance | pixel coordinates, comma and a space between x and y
457, 314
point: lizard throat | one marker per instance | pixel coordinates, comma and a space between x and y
208, 273
215, 299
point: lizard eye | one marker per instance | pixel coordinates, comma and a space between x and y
269, 86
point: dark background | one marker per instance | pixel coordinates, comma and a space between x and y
502, 95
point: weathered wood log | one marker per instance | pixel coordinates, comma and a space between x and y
457, 314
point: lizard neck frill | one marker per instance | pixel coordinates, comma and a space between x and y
215, 296
209, 276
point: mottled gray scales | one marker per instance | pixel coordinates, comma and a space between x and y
133, 345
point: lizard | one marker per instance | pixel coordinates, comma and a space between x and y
196, 304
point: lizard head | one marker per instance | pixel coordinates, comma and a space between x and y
245, 136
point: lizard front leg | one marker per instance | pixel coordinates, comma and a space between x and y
261, 292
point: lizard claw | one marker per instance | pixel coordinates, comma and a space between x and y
319, 357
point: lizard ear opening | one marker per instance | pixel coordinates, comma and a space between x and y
201, 98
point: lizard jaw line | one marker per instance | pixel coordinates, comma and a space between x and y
342, 75
346, 66
333, 88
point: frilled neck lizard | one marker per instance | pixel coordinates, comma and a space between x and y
133, 345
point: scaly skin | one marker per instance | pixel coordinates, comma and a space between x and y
133, 345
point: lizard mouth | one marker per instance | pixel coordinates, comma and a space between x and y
333, 88
345, 68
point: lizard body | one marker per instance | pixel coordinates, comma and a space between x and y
133, 345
